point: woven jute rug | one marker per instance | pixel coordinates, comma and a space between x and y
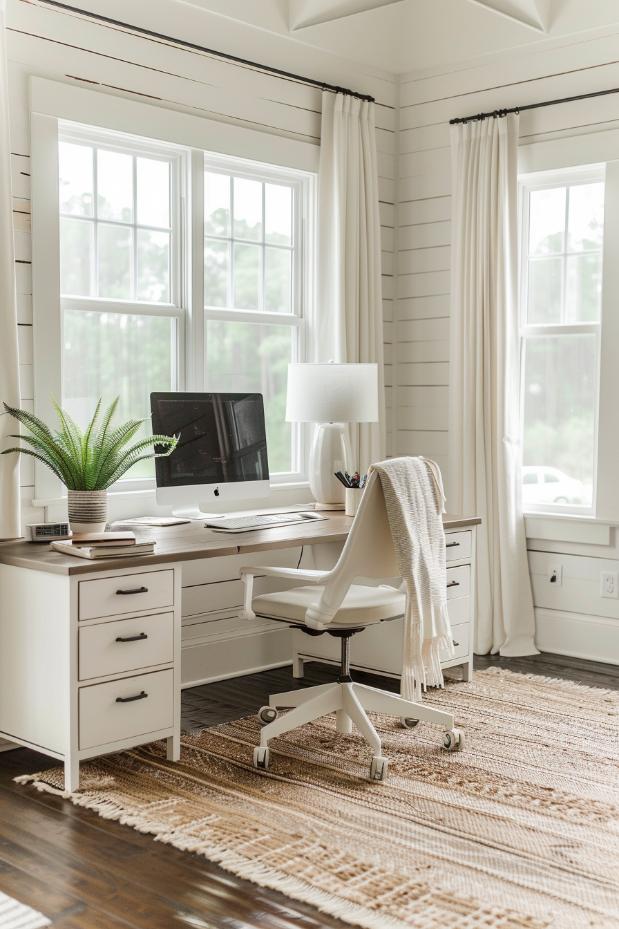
518, 831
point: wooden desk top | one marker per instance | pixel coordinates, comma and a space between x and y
192, 541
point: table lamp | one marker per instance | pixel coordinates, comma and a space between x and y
331, 396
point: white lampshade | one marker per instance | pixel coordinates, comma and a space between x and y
332, 393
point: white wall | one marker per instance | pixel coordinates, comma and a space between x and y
586, 624
62, 46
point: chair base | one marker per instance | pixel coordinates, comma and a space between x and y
351, 703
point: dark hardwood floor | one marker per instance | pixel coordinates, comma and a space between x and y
85, 872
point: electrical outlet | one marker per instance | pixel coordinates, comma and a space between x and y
555, 575
609, 584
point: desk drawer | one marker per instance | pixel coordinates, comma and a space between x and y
125, 645
458, 545
460, 636
110, 712
127, 593
458, 581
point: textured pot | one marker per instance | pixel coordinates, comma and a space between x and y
87, 510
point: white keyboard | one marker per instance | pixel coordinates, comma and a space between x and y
264, 521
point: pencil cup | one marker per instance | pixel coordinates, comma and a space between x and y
353, 498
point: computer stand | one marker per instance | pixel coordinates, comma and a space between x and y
193, 513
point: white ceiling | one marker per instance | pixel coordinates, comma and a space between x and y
399, 36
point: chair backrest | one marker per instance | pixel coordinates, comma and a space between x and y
367, 553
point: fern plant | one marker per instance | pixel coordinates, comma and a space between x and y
92, 459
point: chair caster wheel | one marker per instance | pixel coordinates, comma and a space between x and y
378, 768
408, 722
261, 757
266, 715
453, 740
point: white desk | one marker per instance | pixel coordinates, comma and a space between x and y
90, 652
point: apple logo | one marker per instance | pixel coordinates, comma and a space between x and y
216, 491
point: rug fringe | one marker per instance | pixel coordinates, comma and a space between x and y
555, 681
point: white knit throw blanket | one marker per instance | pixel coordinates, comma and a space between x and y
415, 501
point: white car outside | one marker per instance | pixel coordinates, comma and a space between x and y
543, 485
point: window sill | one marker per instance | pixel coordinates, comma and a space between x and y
568, 527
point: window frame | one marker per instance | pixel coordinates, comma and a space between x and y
544, 180
299, 317
52, 103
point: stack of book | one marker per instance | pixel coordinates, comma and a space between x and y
104, 545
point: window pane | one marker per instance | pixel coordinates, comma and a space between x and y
216, 204
559, 419
278, 214
253, 356
153, 266
277, 280
247, 209
545, 285
546, 221
75, 170
216, 268
76, 257
114, 261
247, 273
583, 288
114, 186
153, 193
109, 355
585, 228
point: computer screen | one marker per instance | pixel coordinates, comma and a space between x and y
222, 438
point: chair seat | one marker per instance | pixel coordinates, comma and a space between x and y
362, 605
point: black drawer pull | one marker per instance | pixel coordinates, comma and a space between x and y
141, 696
132, 638
452, 545
455, 644
453, 584
133, 590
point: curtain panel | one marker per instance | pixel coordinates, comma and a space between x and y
9, 364
484, 434
349, 315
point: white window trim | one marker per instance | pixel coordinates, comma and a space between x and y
605, 505
52, 102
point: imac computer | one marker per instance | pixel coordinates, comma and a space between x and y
221, 456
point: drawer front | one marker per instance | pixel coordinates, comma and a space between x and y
127, 593
125, 645
459, 609
458, 545
458, 581
460, 636
108, 714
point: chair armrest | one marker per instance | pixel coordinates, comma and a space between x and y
298, 574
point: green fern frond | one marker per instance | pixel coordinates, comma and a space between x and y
90, 460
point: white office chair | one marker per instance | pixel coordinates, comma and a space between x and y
331, 603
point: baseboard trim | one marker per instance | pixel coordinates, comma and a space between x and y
7, 746
577, 635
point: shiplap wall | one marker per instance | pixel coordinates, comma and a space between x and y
63, 46
423, 262
423, 266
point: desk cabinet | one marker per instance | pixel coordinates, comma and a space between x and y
90, 664
379, 647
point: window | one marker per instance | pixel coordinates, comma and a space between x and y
179, 271
119, 274
252, 291
561, 312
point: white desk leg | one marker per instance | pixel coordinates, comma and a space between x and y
71, 774
173, 747
467, 671
297, 666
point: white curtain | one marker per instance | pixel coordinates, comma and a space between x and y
484, 449
349, 316
9, 369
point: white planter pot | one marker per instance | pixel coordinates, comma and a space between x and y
87, 510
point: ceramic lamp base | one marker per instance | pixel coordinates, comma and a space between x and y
330, 452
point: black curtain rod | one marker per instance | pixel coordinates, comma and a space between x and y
151, 34
532, 106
